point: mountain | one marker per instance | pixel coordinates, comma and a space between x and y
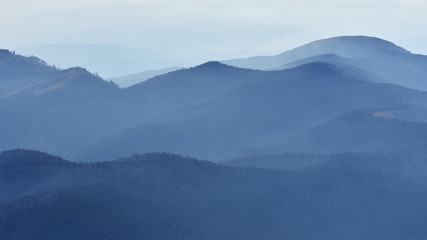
257, 108
346, 65
353, 47
164, 196
381, 59
212, 111
362, 131
24, 172
322, 147
132, 79
407, 168
50, 109
17, 71
53, 112
187, 86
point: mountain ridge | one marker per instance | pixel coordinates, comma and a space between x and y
316, 46
382, 60
181, 198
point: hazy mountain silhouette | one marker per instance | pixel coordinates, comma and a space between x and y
362, 131
408, 168
381, 59
18, 71
345, 65
212, 111
132, 79
354, 47
327, 151
51, 109
163, 196
270, 107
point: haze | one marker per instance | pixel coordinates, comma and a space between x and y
204, 30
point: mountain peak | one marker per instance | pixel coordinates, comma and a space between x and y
4, 52
10, 58
19, 157
78, 69
83, 76
351, 47
367, 42
213, 65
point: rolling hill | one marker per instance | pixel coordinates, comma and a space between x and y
366, 131
135, 78
383, 60
162, 196
271, 106
211, 111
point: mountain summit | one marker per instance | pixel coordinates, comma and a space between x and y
382, 60
355, 47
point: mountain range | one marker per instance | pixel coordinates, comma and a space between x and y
325, 141
164, 196
216, 111
383, 60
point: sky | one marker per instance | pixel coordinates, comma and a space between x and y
191, 31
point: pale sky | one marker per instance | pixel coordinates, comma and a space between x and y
210, 29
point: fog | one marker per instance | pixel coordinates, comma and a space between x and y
208, 30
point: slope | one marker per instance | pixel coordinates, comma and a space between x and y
56, 108
163, 196
274, 106
18, 71
354, 47
363, 131
132, 79
381, 59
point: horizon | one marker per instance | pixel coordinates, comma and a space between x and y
192, 32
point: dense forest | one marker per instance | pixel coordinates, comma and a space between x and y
163, 196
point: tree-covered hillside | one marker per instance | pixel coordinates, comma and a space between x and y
165, 196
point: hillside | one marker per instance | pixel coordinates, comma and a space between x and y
383, 60
361, 131
135, 78
271, 107
18, 71
161, 196
211, 111
49, 109
354, 47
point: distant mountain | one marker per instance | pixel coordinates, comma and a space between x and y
165, 196
53, 112
326, 146
353, 47
256, 109
381, 59
408, 168
132, 79
50, 109
362, 131
212, 111
105, 60
17, 71
188, 86
346, 65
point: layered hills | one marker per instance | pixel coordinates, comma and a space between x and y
163, 196
383, 60
326, 141
212, 111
